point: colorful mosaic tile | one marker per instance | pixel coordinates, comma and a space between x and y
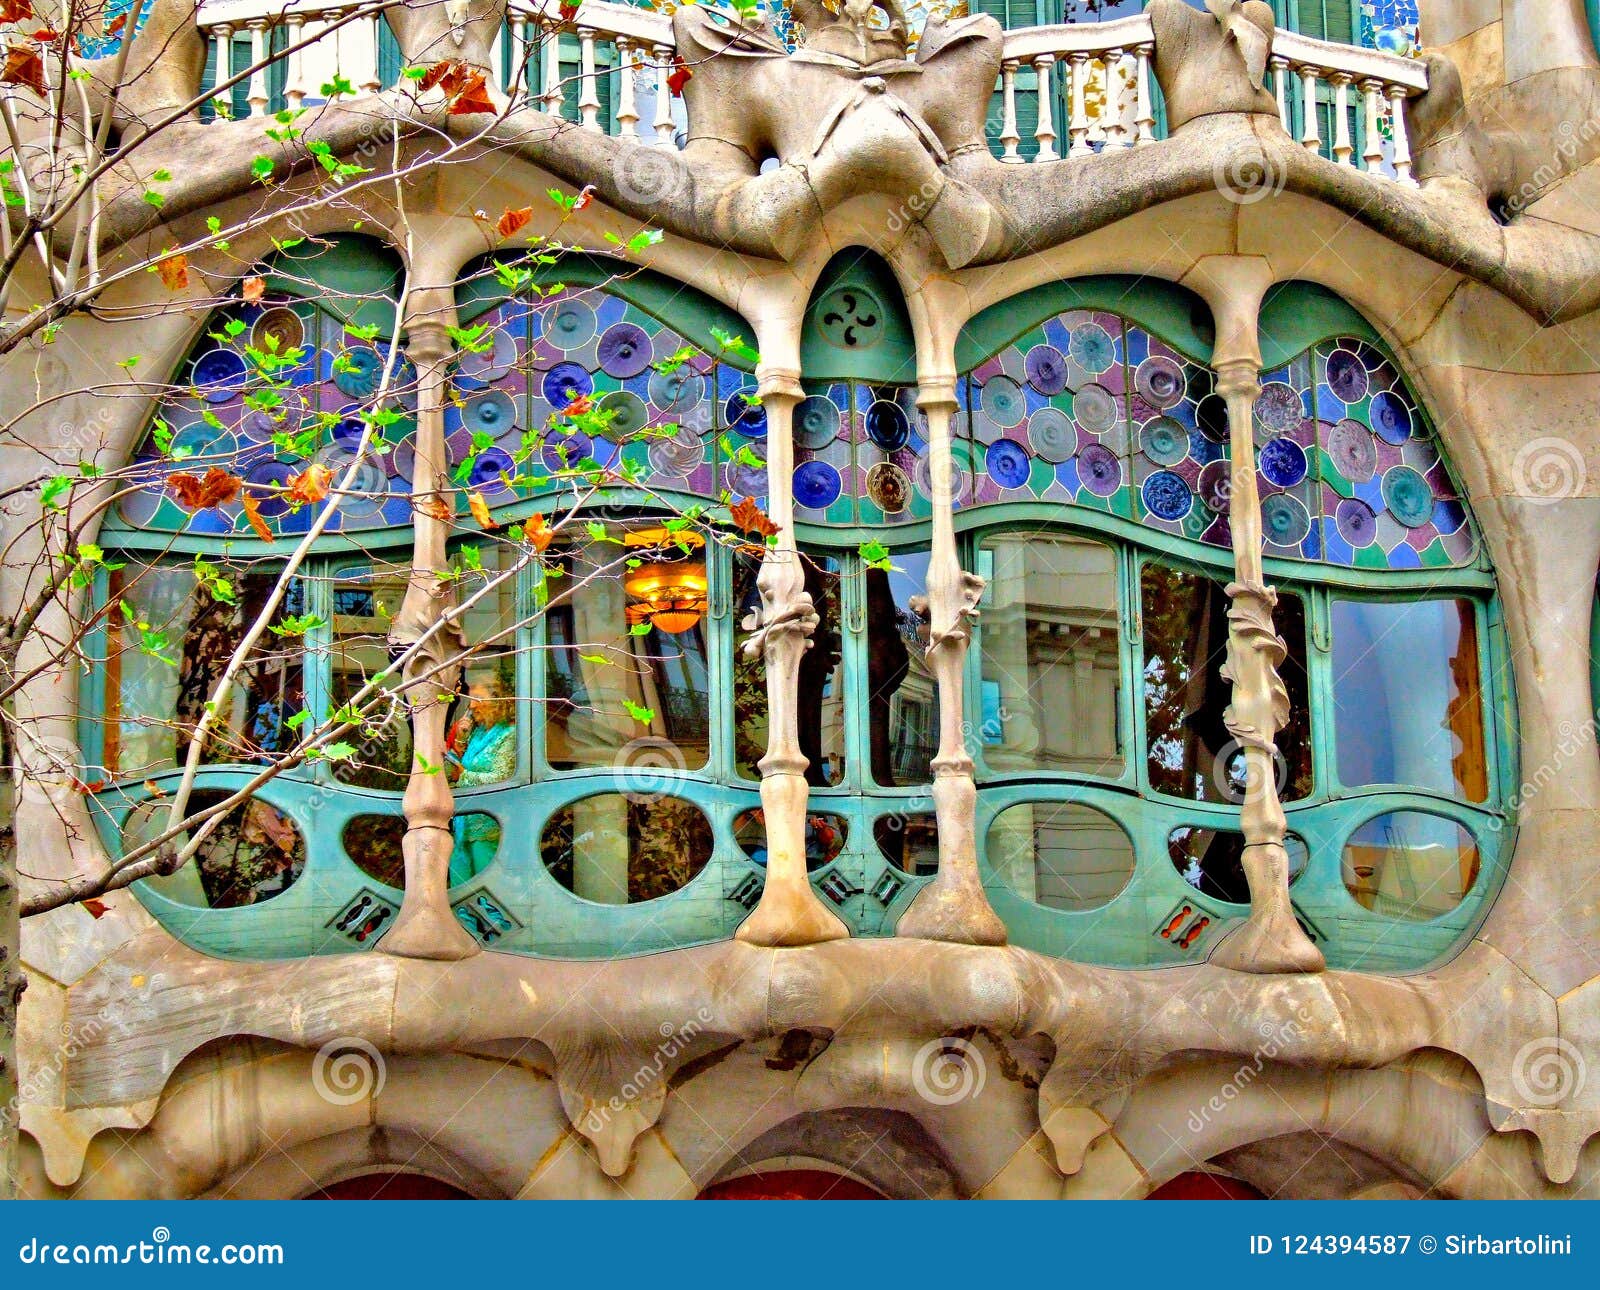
1090, 410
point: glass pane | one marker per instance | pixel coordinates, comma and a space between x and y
365, 598
481, 743
596, 666
256, 853
373, 843
1411, 866
902, 699
1185, 619
1051, 660
167, 652
909, 842
825, 837
1212, 861
1061, 854
1407, 705
614, 851
821, 690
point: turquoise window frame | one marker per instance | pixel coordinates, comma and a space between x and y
1295, 317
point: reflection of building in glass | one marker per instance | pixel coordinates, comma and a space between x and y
1084, 510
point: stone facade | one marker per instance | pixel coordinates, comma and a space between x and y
940, 1060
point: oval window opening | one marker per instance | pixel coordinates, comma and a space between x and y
374, 844
256, 853
825, 837
909, 842
1212, 861
617, 851
1410, 866
1060, 854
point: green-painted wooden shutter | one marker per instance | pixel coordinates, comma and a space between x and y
389, 60
1329, 20
605, 59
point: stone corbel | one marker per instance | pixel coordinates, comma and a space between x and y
953, 906
1271, 940
426, 928
790, 912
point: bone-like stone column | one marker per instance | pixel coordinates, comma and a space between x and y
1272, 939
953, 906
425, 928
790, 912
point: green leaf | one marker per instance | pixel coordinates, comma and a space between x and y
52, 491
644, 716
875, 555
261, 168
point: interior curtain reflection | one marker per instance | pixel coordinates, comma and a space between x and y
621, 669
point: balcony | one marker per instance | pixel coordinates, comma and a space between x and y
1065, 91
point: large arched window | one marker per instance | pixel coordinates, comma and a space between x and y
597, 786
604, 752
1109, 784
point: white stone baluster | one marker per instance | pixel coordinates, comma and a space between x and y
627, 105
1280, 86
294, 81
588, 89
497, 57
1402, 136
1078, 127
1372, 97
223, 34
1117, 133
371, 82
1009, 136
550, 60
256, 94
524, 57
665, 129
1311, 135
1343, 150
1144, 119
1046, 133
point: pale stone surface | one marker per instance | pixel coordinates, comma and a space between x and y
512, 1076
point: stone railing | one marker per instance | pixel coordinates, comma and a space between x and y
1082, 87
1100, 77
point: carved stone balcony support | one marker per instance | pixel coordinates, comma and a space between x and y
953, 907
790, 913
1272, 939
425, 927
